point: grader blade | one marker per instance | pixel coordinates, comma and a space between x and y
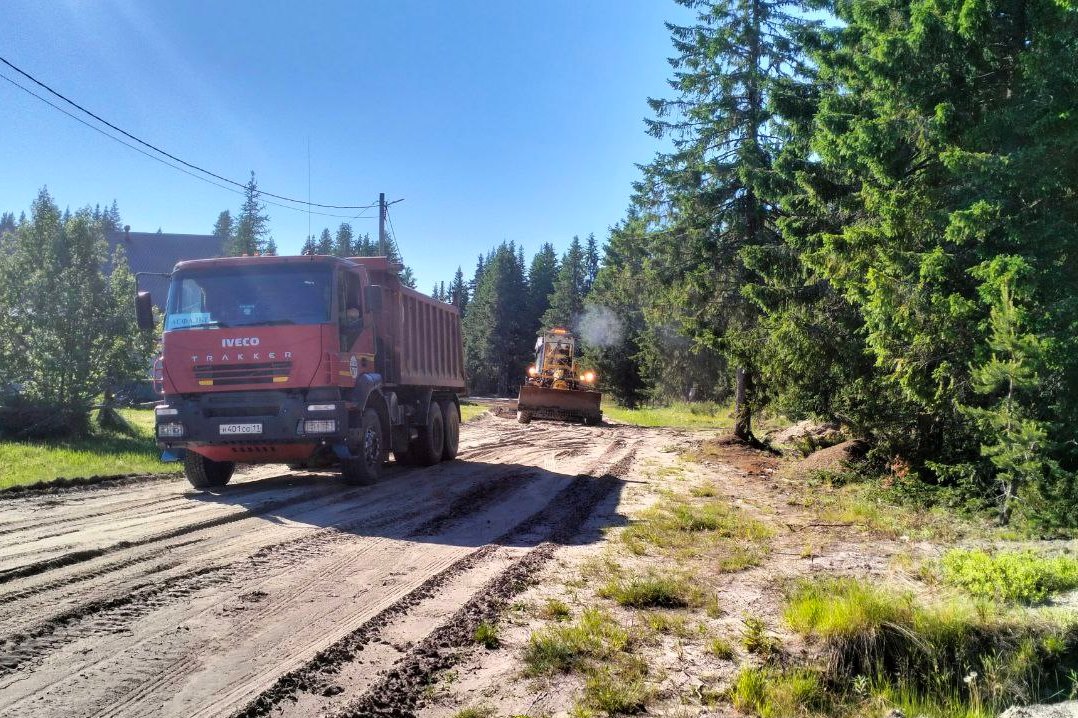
537, 402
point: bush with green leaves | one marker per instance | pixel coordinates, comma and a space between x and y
1017, 576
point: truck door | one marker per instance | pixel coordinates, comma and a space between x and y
350, 310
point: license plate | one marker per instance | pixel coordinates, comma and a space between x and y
241, 429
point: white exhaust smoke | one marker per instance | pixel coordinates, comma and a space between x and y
599, 326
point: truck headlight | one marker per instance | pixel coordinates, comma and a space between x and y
320, 426
171, 430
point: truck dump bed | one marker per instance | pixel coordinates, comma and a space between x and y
423, 334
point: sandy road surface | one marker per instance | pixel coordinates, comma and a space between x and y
285, 593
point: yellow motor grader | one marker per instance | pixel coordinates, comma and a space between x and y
555, 387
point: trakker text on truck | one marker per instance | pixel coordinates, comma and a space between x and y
310, 361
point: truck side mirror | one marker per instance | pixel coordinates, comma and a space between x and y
144, 311
373, 298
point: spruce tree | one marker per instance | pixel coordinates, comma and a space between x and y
343, 242
709, 197
541, 275
591, 262
224, 228
252, 226
497, 340
458, 292
324, 246
567, 299
310, 248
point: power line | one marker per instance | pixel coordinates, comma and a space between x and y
163, 152
165, 162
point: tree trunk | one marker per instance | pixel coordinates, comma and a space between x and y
742, 410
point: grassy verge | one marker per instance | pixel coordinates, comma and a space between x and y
679, 415
103, 453
470, 411
954, 656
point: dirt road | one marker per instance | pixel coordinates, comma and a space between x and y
286, 593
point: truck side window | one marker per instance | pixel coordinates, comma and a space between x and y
350, 320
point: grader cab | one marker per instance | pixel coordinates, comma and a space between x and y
555, 387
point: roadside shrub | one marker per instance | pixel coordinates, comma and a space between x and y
1016, 576
721, 648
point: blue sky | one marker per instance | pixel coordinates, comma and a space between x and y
493, 120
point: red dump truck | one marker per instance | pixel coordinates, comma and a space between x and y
311, 361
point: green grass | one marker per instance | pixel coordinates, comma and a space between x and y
678, 415
486, 635
721, 648
955, 656
865, 504
771, 693
685, 529
619, 688
653, 591
595, 636
103, 453
1013, 576
469, 411
554, 609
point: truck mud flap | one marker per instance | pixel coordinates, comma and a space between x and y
559, 404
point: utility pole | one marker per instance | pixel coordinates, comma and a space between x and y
382, 223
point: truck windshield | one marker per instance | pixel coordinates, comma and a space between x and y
248, 296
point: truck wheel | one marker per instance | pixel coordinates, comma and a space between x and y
206, 473
429, 444
366, 444
451, 421
524, 417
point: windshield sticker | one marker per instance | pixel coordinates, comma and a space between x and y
192, 319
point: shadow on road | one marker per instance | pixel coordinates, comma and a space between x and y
462, 503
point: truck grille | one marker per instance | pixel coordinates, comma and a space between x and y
274, 372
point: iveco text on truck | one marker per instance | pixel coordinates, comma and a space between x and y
305, 360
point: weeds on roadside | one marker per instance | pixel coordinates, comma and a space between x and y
756, 640
555, 609
680, 527
771, 693
594, 636
480, 711
653, 591
969, 655
721, 648
486, 635
1014, 576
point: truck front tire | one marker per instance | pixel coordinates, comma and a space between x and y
451, 422
206, 473
367, 445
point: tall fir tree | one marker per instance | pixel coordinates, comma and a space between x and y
541, 275
324, 245
591, 262
497, 341
567, 299
708, 198
252, 225
458, 292
343, 242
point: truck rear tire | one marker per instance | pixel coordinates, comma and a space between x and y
428, 446
367, 445
451, 422
206, 473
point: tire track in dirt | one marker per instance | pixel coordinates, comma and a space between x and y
68, 559
160, 580
400, 691
565, 513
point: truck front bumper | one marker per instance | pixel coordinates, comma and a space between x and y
235, 419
